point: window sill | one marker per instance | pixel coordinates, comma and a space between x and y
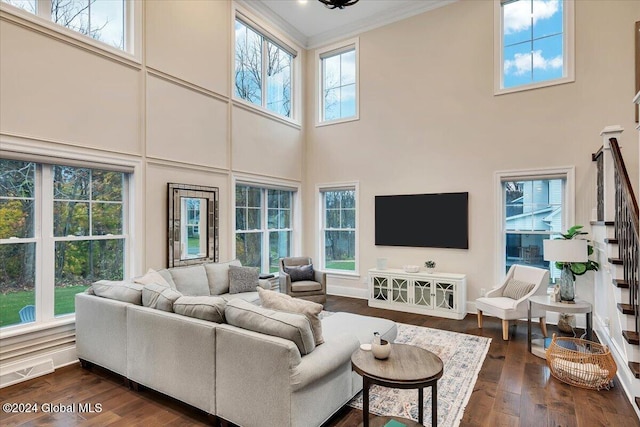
18, 330
532, 86
265, 113
338, 273
339, 121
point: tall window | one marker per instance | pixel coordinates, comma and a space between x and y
102, 20
78, 214
264, 226
263, 70
536, 43
338, 233
534, 209
338, 83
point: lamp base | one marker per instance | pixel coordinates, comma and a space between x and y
567, 286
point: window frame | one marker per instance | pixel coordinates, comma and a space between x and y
40, 21
269, 34
321, 220
568, 58
264, 186
568, 207
322, 53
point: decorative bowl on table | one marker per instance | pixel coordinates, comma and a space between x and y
381, 351
411, 268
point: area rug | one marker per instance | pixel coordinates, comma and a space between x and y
462, 355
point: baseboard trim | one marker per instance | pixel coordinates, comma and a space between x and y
33, 367
348, 291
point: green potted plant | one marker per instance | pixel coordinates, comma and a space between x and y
430, 266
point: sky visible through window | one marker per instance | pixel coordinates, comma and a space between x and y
532, 41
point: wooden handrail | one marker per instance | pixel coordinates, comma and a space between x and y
626, 183
594, 156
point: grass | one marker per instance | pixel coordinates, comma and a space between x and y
12, 302
349, 265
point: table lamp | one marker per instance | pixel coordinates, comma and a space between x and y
566, 252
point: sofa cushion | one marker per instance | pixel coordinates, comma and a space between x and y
291, 326
300, 272
166, 275
251, 297
243, 279
516, 289
152, 276
191, 280
209, 308
218, 276
284, 302
118, 290
159, 297
305, 285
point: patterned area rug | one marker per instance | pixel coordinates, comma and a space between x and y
462, 355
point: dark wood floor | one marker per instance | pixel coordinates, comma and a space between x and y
514, 388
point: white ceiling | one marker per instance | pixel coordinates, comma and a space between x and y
311, 24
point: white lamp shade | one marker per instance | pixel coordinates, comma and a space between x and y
562, 250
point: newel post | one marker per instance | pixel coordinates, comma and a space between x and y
609, 171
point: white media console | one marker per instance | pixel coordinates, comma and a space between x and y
434, 294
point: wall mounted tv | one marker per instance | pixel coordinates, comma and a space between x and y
423, 220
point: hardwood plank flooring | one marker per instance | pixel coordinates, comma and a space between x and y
514, 388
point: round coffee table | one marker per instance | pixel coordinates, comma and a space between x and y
408, 366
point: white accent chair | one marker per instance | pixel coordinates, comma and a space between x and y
494, 304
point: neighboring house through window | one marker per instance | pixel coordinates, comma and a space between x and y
264, 225
534, 39
338, 228
338, 85
61, 229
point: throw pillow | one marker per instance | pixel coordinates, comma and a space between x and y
242, 279
291, 326
516, 289
159, 297
300, 272
152, 276
118, 290
284, 302
218, 276
191, 280
209, 308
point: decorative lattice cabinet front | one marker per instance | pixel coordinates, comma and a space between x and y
434, 294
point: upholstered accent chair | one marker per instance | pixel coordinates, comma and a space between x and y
313, 287
509, 301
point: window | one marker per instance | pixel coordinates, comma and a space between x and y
534, 208
264, 226
338, 229
263, 70
102, 20
338, 83
78, 215
535, 43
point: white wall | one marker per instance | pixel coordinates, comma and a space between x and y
430, 123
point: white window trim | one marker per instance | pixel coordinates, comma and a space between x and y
569, 204
568, 52
320, 256
133, 29
273, 184
269, 30
14, 148
355, 42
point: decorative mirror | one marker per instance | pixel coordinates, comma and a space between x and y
193, 224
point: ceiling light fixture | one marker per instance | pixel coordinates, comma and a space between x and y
338, 4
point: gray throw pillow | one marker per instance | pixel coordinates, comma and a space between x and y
516, 289
206, 308
191, 280
242, 279
284, 302
291, 326
300, 272
118, 290
159, 297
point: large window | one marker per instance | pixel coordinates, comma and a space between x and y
534, 208
338, 83
535, 43
61, 228
263, 70
264, 226
338, 228
102, 20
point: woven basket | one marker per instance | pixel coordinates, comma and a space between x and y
582, 363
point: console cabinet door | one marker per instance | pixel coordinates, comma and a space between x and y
445, 295
380, 288
399, 290
422, 293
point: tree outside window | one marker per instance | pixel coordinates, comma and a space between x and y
339, 229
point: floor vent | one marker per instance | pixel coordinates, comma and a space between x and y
23, 371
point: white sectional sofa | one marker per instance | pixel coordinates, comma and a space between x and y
235, 373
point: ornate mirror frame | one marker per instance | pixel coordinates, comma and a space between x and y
193, 210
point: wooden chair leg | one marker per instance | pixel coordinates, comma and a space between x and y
479, 319
505, 330
543, 326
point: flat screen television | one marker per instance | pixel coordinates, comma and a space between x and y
423, 220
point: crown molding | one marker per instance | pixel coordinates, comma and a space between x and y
264, 11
